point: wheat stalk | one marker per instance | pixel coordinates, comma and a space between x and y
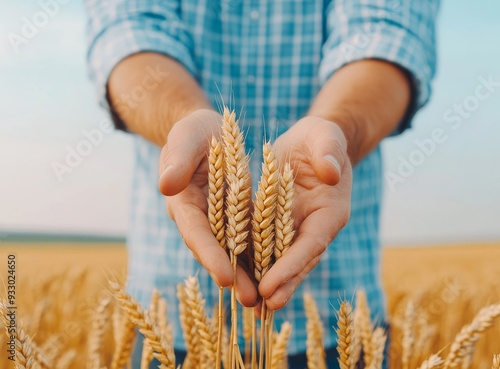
408, 337
141, 318
469, 334
314, 345
364, 325
205, 330
433, 362
279, 347
345, 336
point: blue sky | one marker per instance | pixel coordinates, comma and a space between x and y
46, 101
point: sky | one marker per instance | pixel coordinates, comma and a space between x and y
442, 177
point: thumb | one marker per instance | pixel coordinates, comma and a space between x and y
329, 153
186, 148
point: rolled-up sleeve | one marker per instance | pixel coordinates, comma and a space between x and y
119, 28
400, 32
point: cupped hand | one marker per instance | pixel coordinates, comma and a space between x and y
317, 151
184, 180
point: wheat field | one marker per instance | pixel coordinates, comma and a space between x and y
60, 289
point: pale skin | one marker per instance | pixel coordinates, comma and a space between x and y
358, 106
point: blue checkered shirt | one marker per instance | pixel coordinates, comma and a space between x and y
270, 58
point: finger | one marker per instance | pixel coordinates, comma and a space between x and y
329, 154
246, 290
282, 295
186, 147
195, 230
314, 235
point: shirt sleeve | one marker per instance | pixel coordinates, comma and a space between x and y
399, 31
119, 28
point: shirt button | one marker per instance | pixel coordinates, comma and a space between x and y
250, 79
254, 14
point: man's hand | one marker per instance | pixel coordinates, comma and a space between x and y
317, 150
184, 180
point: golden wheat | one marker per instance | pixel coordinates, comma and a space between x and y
345, 336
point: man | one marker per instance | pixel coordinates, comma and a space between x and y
330, 78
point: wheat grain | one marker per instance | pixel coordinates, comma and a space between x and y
138, 316
280, 346
345, 336
470, 334
284, 206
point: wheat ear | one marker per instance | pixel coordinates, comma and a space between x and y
433, 362
263, 217
97, 333
189, 329
377, 346
217, 219
314, 344
24, 358
408, 337
279, 347
147, 351
165, 326
237, 209
40, 356
345, 336
205, 329
496, 362
469, 334
356, 338
124, 343
141, 318
364, 325
284, 207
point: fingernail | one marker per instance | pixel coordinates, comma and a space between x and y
333, 160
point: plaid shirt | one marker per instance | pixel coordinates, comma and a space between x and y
269, 58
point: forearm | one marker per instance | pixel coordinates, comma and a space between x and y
367, 99
150, 92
